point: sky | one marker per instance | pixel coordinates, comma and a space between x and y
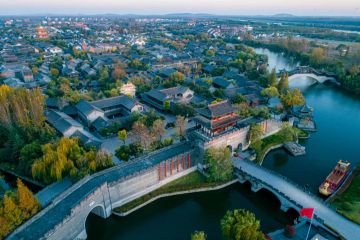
220, 7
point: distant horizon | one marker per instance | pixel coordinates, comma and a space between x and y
46, 14
320, 8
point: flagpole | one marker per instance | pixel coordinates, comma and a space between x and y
312, 217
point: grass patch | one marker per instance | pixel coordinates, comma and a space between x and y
347, 202
301, 133
194, 180
284, 135
265, 144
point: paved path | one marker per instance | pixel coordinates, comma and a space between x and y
346, 228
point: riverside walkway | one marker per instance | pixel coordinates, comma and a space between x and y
298, 197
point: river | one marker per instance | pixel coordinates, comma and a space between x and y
178, 216
337, 115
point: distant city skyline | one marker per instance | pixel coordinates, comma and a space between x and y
223, 7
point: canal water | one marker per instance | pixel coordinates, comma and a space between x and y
177, 217
337, 115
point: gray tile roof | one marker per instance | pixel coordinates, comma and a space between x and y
60, 121
154, 93
216, 109
123, 100
86, 108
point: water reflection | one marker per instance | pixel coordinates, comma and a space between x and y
280, 159
277, 60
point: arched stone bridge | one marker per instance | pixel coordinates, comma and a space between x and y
100, 193
293, 196
305, 71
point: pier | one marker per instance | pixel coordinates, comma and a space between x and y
294, 148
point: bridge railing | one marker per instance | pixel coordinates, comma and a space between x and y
296, 185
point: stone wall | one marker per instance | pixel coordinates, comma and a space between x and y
112, 195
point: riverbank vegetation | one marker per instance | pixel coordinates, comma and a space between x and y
235, 225
16, 207
241, 224
347, 201
262, 146
219, 166
192, 181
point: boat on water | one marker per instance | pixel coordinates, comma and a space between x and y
335, 178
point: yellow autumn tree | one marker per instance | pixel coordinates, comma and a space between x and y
28, 204
11, 212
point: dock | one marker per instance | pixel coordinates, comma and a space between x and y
294, 148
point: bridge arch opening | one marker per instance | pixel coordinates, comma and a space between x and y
269, 198
291, 213
247, 185
97, 213
99, 210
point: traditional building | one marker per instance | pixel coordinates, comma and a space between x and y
120, 106
216, 118
158, 98
218, 125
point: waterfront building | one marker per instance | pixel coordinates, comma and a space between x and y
217, 126
216, 118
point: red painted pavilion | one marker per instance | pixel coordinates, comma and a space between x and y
216, 118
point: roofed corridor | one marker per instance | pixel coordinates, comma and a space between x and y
291, 191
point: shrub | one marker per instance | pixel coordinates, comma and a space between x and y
290, 231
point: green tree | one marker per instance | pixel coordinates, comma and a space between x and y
256, 132
292, 98
28, 154
287, 132
238, 98
241, 225
272, 78
198, 235
283, 83
104, 74
270, 92
122, 135
167, 105
219, 163
183, 110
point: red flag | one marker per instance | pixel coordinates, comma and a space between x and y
307, 212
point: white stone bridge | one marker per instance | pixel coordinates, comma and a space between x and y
305, 71
293, 196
